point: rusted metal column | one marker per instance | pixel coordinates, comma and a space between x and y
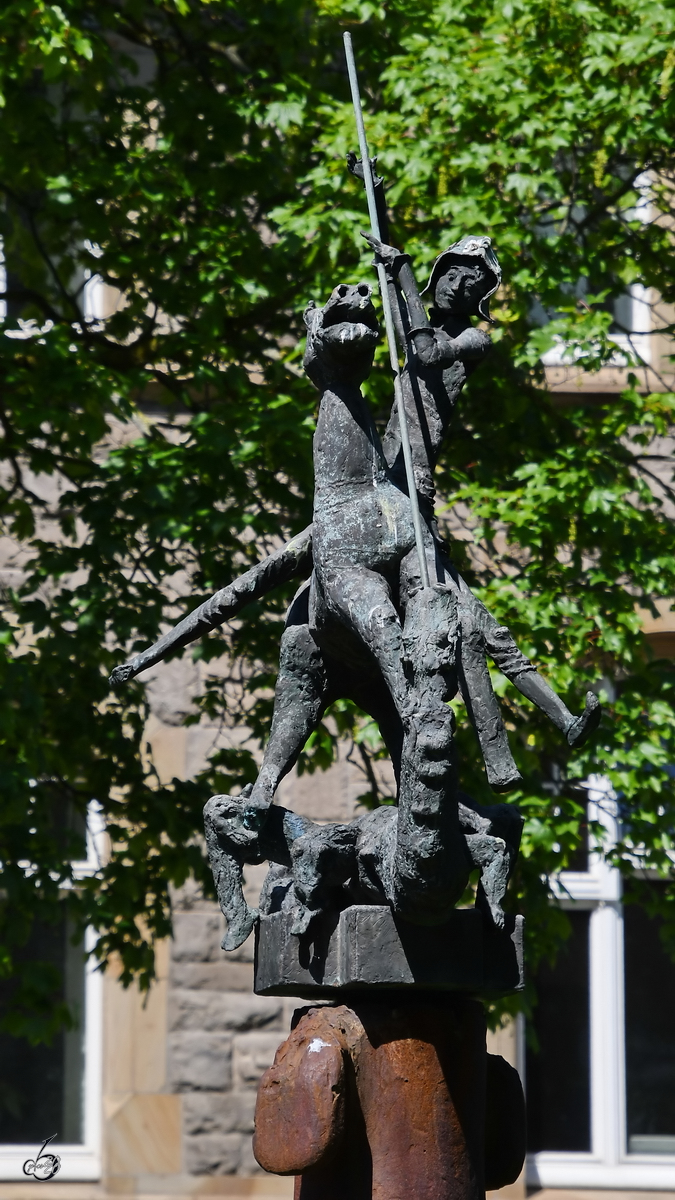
420, 1075
382, 1099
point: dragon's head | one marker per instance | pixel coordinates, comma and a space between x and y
341, 337
236, 824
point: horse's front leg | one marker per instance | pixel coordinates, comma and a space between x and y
300, 699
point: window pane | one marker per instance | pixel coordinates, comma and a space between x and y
558, 1073
650, 1037
41, 1086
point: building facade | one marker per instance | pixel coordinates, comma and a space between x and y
153, 1096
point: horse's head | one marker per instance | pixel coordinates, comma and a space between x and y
341, 337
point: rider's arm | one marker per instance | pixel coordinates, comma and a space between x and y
442, 350
434, 347
399, 312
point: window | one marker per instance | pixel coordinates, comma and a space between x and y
650, 1037
630, 330
57, 1088
600, 1091
558, 1073
41, 1086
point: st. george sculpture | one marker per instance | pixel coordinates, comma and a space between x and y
363, 627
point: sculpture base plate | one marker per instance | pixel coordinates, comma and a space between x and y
367, 946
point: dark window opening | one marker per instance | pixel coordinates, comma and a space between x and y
650, 1036
41, 1086
621, 308
558, 1072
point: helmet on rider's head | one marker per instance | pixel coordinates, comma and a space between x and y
470, 251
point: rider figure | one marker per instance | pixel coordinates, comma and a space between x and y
442, 350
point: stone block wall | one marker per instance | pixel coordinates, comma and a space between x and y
221, 1037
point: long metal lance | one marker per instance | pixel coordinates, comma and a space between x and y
386, 309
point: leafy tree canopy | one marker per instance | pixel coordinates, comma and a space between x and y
191, 154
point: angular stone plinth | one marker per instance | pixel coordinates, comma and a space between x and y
367, 946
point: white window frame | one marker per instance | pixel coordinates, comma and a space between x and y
637, 341
608, 1164
79, 1162
3, 282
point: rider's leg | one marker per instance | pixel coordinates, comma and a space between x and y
517, 668
521, 672
482, 706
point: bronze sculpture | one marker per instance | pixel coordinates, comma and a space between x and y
363, 628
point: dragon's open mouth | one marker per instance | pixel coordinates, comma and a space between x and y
351, 304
